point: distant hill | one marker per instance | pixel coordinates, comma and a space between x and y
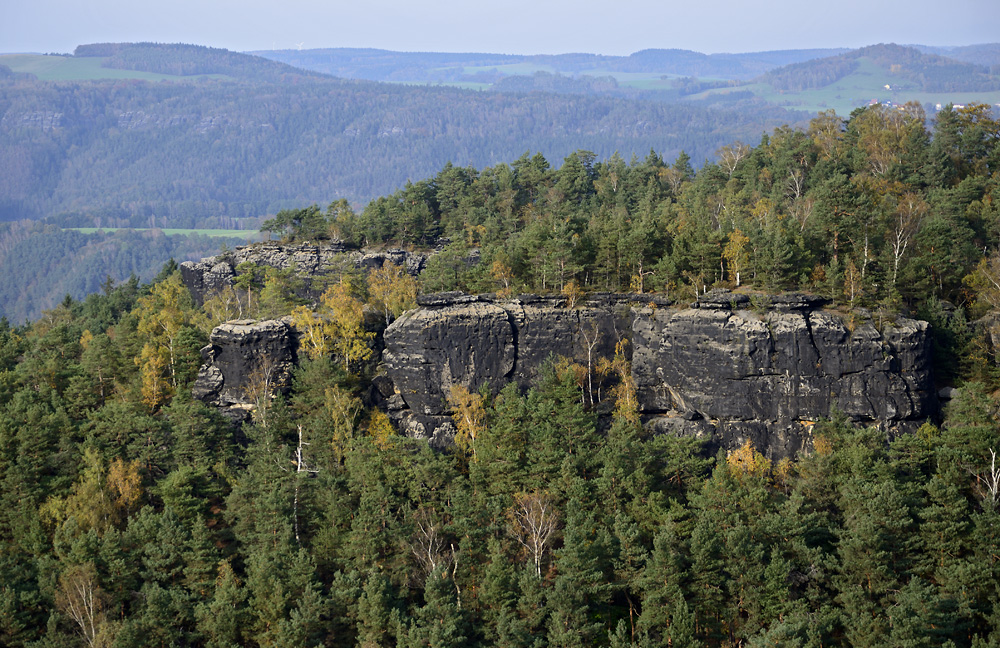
810, 79
439, 67
926, 72
986, 54
190, 60
235, 137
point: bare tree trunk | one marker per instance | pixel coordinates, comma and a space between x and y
534, 522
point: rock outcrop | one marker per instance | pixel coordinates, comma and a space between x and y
767, 376
717, 369
309, 261
476, 340
725, 368
246, 360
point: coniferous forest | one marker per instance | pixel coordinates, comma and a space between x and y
133, 515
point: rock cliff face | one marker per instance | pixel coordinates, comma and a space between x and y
474, 340
718, 369
723, 369
243, 359
310, 261
767, 376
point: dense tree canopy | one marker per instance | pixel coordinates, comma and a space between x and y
134, 515
872, 210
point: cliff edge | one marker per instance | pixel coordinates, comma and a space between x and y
724, 369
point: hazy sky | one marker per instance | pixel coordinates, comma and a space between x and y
511, 26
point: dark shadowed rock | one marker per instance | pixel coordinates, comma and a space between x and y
728, 371
716, 371
782, 370
429, 350
458, 340
242, 358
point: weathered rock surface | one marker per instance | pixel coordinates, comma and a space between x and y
242, 358
717, 370
471, 341
768, 376
310, 261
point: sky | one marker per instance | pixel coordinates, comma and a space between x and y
615, 27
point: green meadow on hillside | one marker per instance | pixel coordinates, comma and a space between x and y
867, 82
74, 68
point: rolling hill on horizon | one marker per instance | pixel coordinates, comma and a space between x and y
883, 73
918, 70
443, 67
675, 75
214, 137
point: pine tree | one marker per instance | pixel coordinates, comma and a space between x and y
439, 623
580, 591
223, 619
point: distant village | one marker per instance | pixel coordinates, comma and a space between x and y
894, 104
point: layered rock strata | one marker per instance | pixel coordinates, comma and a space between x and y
768, 376
725, 368
308, 260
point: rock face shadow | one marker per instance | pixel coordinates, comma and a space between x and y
719, 369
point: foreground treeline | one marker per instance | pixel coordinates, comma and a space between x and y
134, 516
871, 209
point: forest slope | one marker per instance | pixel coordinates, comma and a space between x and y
544, 524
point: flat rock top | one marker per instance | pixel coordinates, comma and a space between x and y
597, 300
726, 300
245, 326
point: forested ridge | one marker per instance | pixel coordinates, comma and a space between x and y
868, 210
386, 65
134, 515
208, 152
929, 72
191, 60
43, 263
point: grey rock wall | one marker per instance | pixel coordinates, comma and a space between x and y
479, 340
240, 355
768, 376
719, 369
310, 261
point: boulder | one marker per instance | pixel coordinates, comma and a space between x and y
243, 360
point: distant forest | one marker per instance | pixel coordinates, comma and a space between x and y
211, 152
42, 264
384, 65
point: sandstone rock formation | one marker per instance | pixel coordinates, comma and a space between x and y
767, 376
246, 360
718, 369
310, 261
724, 368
